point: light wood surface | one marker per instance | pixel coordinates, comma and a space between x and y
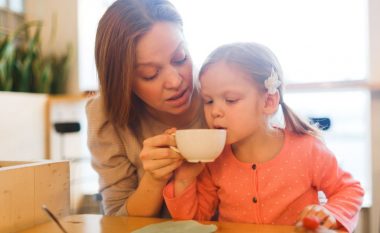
111, 224
26, 186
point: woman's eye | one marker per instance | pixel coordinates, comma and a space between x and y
150, 77
231, 101
180, 61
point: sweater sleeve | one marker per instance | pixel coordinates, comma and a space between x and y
117, 175
344, 193
198, 201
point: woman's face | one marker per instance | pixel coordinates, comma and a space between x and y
164, 79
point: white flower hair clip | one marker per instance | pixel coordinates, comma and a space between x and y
272, 83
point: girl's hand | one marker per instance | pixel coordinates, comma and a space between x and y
157, 158
185, 175
188, 171
316, 216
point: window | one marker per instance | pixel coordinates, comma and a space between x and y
89, 14
315, 42
11, 15
349, 135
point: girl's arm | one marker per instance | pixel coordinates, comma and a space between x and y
344, 193
196, 200
185, 176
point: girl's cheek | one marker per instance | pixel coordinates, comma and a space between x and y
208, 119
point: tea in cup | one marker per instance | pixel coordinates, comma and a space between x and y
200, 145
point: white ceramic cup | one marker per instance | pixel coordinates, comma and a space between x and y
200, 145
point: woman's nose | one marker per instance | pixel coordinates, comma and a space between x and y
173, 79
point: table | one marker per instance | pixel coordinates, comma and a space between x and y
89, 223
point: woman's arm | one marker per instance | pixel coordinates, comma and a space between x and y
126, 195
159, 163
121, 190
147, 199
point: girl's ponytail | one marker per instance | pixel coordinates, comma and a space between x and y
297, 125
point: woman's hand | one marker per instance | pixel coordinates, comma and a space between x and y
316, 216
157, 158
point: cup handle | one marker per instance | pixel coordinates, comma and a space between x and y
173, 147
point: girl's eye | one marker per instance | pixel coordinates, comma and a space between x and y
206, 102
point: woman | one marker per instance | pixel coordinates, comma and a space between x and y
146, 88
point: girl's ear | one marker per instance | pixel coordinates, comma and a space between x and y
271, 103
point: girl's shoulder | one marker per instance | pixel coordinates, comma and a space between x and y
307, 142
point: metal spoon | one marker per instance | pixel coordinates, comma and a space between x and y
54, 218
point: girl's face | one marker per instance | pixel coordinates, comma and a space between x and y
163, 78
232, 101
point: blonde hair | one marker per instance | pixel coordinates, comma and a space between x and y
118, 33
258, 61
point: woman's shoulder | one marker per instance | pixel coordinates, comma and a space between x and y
95, 106
97, 120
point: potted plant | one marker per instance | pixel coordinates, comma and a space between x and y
23, 68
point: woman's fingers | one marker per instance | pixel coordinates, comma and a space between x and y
170, 131
152, 165
162, 140
166, 171
159, 153
157, 157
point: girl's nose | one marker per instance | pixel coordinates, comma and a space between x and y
173, 79
217, 111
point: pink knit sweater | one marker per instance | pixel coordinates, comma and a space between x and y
274, 192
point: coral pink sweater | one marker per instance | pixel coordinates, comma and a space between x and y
274, 192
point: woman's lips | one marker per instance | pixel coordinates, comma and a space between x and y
177, 96
179, 99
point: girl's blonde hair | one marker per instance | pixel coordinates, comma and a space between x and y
258, 61
118, 33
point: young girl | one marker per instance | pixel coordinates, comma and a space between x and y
265, 175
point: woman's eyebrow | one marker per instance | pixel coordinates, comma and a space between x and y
146, 64
179, 46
